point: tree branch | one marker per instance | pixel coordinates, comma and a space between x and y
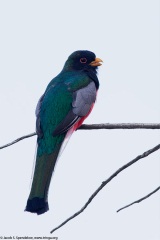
17, 140
120, 126
139, 200
145, 154
99, 126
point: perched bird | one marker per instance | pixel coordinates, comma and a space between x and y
67, 101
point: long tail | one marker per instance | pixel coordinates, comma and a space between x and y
45, 164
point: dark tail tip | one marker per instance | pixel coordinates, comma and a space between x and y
37, 205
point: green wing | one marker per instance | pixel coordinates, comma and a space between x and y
54, 110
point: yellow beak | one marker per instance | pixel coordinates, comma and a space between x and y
96, 62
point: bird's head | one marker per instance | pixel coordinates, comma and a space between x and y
82, 60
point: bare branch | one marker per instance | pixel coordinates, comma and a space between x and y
17, 140
120, 126
145, 154
139, 200
99, 126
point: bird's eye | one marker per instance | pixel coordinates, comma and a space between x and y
83, 60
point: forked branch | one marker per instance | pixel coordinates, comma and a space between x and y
145, 154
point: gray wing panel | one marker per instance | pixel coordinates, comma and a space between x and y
83, 100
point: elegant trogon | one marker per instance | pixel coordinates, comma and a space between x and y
67, 101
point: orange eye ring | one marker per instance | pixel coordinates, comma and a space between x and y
83, 60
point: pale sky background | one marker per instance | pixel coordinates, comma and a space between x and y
36, 38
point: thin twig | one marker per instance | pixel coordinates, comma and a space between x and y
17, 140
145, 154
99, 126
139, 200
